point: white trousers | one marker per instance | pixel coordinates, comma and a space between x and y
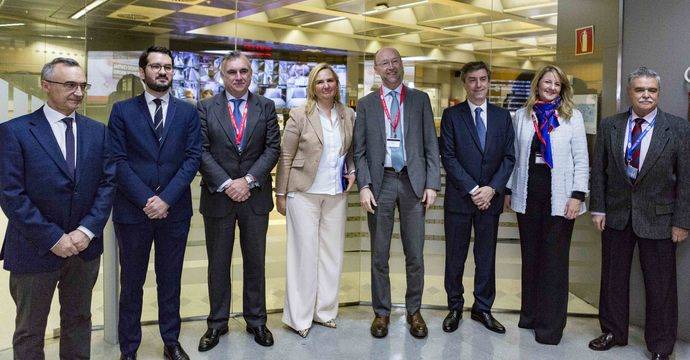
315, 241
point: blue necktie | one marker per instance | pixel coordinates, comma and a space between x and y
396, 152
158, 120
238, 117
481, 128
69, 146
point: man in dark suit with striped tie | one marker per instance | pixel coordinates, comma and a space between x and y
157, 149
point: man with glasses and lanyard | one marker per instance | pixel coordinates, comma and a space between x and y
156, 142
640, 193
56, 189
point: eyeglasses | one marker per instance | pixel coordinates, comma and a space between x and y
386, 63
233, 72
158, 67
71, 85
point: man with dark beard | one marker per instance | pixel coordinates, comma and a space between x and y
156, 147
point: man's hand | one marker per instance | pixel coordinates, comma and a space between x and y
366, 199
599, 222
572, 208
350, 181
482, 197
79, 240
428, 198
678, 234
506, 203
280, 204
64, 247
156, 208
238, 190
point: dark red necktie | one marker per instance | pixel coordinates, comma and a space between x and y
637, 130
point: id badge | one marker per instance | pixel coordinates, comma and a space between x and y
392, 143
538, 159
631, 171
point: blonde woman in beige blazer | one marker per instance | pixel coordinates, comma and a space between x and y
315, 171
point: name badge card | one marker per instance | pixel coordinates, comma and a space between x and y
392, 143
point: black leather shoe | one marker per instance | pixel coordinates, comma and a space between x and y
489, 321
210, 339
262, 335
603, 342
174, 352
657, 356
128, 357
452, 320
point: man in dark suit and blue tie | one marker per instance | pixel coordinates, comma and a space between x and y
241, 144
56, 189
156, 146
478, 155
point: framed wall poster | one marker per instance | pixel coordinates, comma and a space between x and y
587, 104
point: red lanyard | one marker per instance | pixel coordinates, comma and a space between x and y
535, 122
394, 123
239, 131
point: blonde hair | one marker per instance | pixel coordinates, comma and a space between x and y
565, 109
311, 88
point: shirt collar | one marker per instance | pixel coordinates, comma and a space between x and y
648, 119
55, 116
387, 90
149, 98
243, 97
473, 106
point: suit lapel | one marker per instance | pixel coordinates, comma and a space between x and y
315, 122
406, 113
82, 140
660, 136
44, 135
379, 118
147, 114
345, 128
617, 144
223, 117
253, 116
466, 117
169, 117
491, 128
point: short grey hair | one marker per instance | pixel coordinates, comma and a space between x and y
643, 71
234, 54
47, 71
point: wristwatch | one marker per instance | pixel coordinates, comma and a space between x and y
250, 180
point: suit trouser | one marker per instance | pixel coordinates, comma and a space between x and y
458, 229
220, 237
33, 294
545, 249
134, 242
315, 242
396, 190
658, 260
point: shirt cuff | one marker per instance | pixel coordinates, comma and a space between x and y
508, 191
597, 213
87, 232
474, 189
54, 245
280, 194
579, 195
223, 186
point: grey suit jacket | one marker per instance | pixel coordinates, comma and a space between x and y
421, 142
660, 196
221, 160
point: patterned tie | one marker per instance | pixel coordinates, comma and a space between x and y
481, 128
396, 152
158, 120
236, 103
69, 146
637, 130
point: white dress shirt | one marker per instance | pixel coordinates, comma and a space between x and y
59, 127
165, 100
329, 174
231, 105
483, 118
389, 128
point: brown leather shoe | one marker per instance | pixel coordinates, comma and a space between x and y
379, 327
417, 325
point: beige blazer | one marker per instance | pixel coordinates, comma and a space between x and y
303, 144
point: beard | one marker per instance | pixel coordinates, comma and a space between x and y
153, 85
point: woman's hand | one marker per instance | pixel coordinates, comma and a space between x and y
572, 208
280, 204
350, 181
506, 203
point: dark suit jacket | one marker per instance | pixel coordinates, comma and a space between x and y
421, 143
145, 168
660, 196
42, 200
467, 165
221, 160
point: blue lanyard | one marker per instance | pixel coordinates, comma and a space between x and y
632, 147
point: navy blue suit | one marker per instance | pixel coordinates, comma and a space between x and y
467, 166
41, 200
147, 167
